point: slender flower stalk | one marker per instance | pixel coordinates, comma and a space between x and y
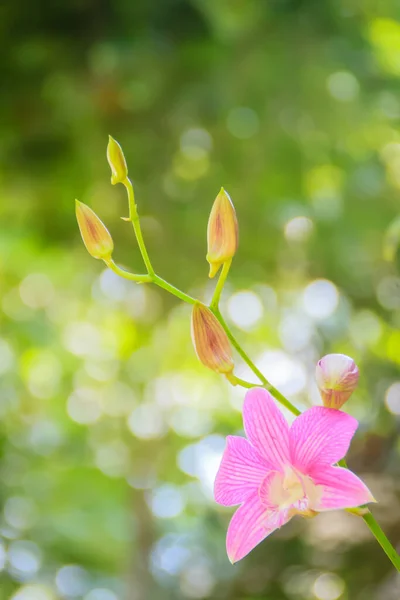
134, 218
382, 540
220, 285
264, 381
126, 274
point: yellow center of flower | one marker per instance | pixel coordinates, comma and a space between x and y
292, 490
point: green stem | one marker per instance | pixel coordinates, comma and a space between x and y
126, 274
375, 529
173, 290
382, 540
266, 384
134, 218
220, 285
238, 381
148, 278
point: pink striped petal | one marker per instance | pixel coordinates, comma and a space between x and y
266, 427
241, 472
320, 436
249, 526
340, 488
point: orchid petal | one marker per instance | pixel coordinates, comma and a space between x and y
250, 525
241, 472
320, 436
266, 427
339, 488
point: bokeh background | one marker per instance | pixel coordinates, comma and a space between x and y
111, 432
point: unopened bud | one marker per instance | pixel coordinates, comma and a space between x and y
210, 340
222, 232
95, 234
117, 162
337, 378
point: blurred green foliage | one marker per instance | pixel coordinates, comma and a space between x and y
110, 429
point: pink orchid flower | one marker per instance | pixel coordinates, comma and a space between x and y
280, 471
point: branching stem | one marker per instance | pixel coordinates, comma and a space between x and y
152, 277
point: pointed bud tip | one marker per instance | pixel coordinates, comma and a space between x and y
337, 378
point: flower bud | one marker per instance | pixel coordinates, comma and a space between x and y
337, 378
95, 234
117, 162
210, 340
222, 232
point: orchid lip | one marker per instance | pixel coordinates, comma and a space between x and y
290, 490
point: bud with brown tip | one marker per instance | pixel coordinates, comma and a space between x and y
210, 340
117, 162
222, 232
337, 377
95, 234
